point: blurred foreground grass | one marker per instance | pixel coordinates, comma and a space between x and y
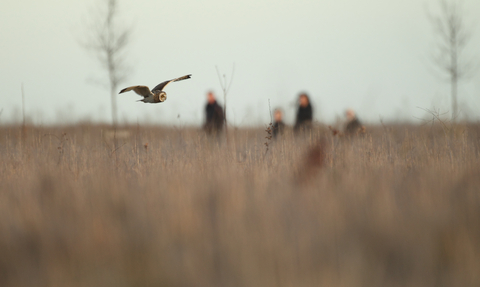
399, 206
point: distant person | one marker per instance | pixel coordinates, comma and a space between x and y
353, 125
278, 125
304, 113
214, 115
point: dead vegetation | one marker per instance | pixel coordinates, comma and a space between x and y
399, 206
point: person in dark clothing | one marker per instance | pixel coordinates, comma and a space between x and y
304, 113
214, 115
353, 125
278, 125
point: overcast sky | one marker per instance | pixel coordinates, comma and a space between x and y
369, 55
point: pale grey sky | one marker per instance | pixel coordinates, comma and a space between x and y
369, 55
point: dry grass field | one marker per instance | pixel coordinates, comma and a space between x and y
398, 206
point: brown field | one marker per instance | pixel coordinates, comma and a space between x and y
398, 206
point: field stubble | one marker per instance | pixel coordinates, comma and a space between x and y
398, 206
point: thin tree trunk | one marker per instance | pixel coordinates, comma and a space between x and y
454, 75
114, 105
225, 115
454, 92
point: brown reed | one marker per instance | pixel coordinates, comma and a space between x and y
399, 206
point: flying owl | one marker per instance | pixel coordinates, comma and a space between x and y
157, 95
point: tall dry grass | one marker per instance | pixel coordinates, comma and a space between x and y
399, 206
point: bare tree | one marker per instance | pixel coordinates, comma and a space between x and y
452, 37
225, 88
107, 39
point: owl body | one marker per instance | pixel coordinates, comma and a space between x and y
156, 95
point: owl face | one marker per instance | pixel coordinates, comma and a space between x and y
162, 97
